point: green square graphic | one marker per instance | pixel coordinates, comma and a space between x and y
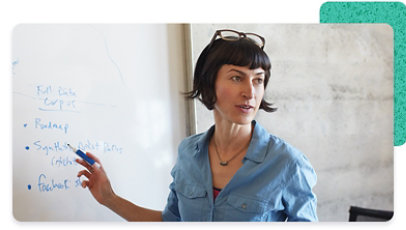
393, 14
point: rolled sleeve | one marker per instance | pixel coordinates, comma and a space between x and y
299, 200
171, 211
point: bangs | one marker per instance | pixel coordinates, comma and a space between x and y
241, 53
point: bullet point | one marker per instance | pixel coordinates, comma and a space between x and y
27, 147
29, 187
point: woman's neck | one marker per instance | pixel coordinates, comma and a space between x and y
231, 137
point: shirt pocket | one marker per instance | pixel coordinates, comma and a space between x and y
242, 208
192, 201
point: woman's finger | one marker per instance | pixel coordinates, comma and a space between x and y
84, 173
85, 184
90, 155
97, 165
84, 164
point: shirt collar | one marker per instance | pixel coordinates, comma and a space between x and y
256, 150
259, 143
203, 141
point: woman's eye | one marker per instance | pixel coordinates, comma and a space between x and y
236, 78
259, 80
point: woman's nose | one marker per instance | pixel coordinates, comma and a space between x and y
248, 91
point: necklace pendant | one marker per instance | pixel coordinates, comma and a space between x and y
223, 163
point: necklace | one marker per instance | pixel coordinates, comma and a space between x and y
225, 163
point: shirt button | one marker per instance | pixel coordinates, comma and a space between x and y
244, 206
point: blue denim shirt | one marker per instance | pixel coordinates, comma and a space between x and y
274, 184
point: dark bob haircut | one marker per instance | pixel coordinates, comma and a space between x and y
243, 52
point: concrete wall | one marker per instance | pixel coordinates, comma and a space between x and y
333, 86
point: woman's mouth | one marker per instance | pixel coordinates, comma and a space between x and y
245, 108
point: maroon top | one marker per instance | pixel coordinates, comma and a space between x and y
216, 192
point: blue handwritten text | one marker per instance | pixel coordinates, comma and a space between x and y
46, 185
49, 125
89, 145
63, 161
54, 147
56, 98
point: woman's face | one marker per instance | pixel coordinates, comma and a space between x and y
239, 92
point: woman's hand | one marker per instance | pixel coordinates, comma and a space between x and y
97, 181
100, 187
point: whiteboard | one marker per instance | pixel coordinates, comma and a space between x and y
112, 90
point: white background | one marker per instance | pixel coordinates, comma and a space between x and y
153, 11
120, 105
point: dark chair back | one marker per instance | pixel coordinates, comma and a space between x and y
366, 214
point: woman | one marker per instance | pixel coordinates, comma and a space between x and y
236, 171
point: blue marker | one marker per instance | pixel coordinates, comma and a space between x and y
89, 160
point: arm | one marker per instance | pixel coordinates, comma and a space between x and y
299, 200
132, 212
100, 187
